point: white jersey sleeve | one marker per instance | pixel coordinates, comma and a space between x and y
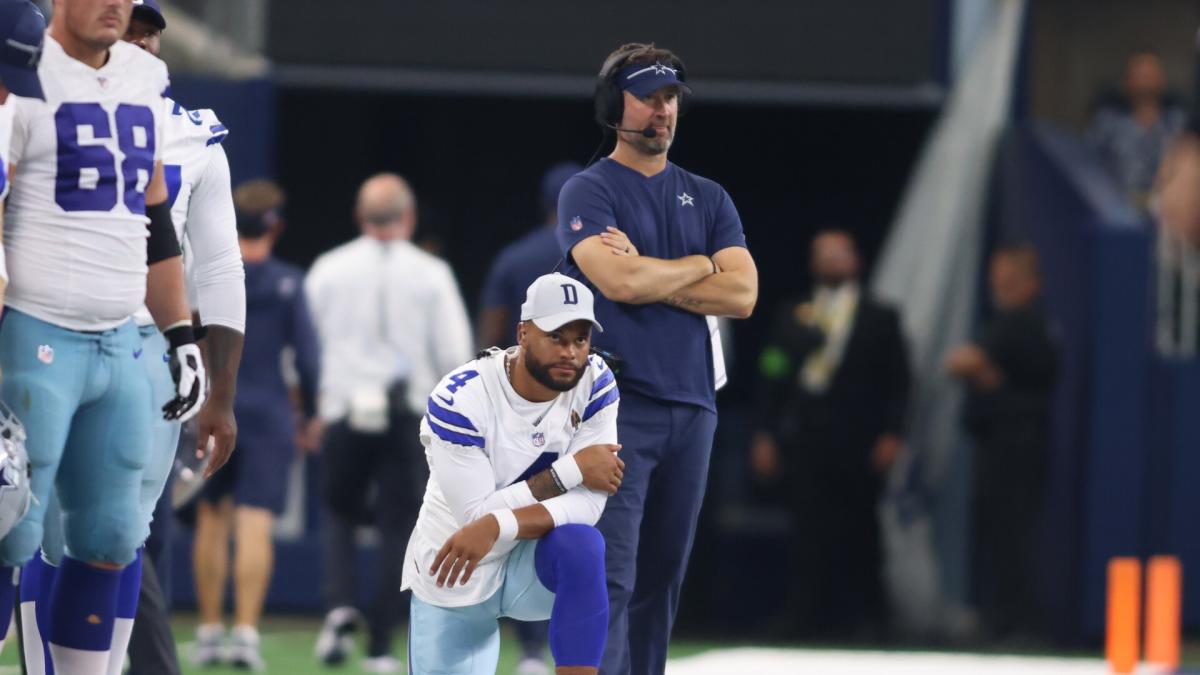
215, 262
6, 130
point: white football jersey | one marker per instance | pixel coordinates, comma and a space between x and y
6, 120
192, 157
470, 412
75, 232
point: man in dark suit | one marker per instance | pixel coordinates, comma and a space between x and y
832, 401
1010, 374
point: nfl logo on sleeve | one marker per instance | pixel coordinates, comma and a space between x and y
576, 224
539, 439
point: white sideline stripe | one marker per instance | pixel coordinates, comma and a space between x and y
762, 661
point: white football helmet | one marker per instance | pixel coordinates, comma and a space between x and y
16, 493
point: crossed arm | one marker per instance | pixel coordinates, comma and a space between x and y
725, 285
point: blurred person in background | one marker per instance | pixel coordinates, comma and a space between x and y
833, 393
519, 263
1010, 375
244, 499
682, 258
1132, 131
514, 269
391, 322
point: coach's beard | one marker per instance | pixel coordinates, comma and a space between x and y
541, 373
653, 146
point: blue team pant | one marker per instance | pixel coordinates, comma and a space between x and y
648, 526
165, 434
161, 455
85, 403
466, 640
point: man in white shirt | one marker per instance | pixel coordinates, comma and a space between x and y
521, 446
390, 321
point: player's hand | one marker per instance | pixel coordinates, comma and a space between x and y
464, 549
619, 242
602, 470
187, 371
764, 456
216, 429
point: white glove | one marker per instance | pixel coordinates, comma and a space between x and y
187, 371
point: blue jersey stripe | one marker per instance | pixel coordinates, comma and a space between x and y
610, 397
601, 383
449, 416
453, 436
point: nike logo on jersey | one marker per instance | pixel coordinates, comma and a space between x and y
137, 353
447, 401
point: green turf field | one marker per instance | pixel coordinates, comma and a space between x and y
288, 642
287, 646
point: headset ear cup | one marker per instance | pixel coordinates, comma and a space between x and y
616, 104
600, 102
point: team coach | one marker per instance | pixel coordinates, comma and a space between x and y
665, 249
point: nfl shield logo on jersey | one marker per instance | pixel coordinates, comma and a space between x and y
576, 224
46, 354
539, 439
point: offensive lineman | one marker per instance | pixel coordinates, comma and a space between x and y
521, 451
196, 172
89, 178
22, 30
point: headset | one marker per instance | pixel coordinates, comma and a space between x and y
609, 100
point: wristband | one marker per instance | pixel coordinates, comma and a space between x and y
568, 472
508, 524
180, 334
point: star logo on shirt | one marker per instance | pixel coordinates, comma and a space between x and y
685, 199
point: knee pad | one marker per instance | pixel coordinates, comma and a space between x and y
21, 543
570, 562
105, 537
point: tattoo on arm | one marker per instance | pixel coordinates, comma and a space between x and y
543, 486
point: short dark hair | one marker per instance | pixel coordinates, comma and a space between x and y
255, 197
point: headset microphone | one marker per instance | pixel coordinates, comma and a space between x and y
648, 132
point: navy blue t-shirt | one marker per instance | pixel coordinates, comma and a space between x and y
515, 268
670, 215
276, 316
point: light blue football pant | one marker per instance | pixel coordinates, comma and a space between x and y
161, 456
466, 640
85, 402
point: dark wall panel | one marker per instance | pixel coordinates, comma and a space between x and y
855, 42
